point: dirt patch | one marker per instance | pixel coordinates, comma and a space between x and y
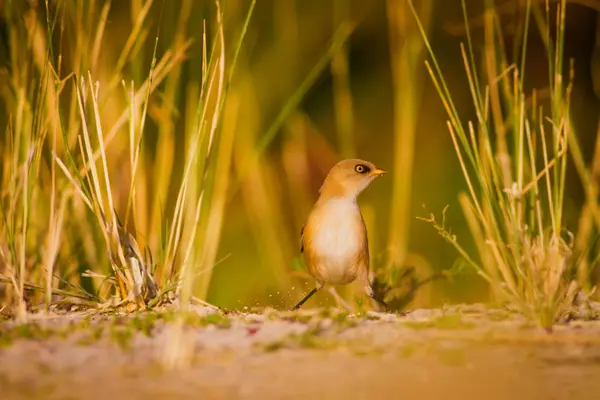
467, 352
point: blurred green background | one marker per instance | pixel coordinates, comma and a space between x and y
374, 101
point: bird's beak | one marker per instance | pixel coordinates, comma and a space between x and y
378, 172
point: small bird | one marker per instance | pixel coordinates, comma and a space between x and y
334, 239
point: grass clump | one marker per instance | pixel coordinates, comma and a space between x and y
95, 206
514, 159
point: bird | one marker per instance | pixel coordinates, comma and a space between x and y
333, 241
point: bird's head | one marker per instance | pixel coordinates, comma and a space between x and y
348, 178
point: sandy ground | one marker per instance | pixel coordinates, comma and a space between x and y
464, 352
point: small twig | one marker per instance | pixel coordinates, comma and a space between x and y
77, 288
33, 288
204, 303
541, 174
77, 302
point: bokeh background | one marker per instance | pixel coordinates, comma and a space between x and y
372, 99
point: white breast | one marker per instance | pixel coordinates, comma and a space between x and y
338, 237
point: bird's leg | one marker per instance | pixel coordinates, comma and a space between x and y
339, 299
308, 296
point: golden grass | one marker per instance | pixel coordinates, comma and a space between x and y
103, 176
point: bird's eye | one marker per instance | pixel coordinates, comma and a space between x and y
361, 169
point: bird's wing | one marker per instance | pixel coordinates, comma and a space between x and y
302, 240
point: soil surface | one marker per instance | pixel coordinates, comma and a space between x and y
461, 352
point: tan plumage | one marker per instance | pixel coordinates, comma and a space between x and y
334, 239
